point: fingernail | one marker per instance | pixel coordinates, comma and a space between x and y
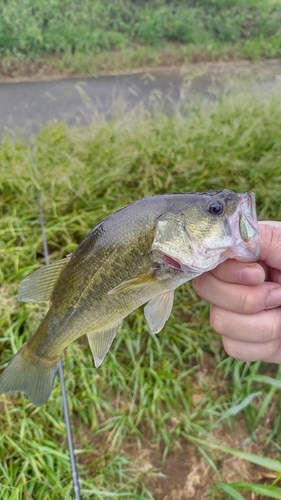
251, 275
274, 298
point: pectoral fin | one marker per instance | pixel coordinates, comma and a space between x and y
158, 310
38, 287
100, 343
136, 282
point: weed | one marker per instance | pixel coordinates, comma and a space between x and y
94, 36
152, 394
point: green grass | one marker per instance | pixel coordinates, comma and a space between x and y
117, 35
153, 395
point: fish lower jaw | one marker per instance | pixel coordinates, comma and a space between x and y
243, 252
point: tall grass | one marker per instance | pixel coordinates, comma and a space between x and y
152, 393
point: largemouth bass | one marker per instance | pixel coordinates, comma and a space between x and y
139, 254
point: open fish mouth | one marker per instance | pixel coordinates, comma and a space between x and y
244, 224
226, 228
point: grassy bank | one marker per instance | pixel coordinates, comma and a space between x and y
154, 394
93, 36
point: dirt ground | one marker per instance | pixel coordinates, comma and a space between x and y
186, 474
35, 71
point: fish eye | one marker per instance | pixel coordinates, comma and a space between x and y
216, 207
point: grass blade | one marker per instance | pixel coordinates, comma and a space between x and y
266, 490
229, 490
268, 463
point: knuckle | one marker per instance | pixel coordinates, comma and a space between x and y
231, 348
269, 330
217, 319
272, 236
269, 348
199, 284
228, 271
250, 301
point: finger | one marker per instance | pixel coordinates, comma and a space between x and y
275, 223
243, 299
262, 327
270, 242
233, 271
244, 351
254, 273
275, 275
275, 357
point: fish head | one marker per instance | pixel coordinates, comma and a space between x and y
217, 226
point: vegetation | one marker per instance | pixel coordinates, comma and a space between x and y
155, 397
70, 36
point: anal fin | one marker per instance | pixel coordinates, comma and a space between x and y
100, 343
158, 310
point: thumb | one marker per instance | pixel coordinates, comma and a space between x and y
270, 242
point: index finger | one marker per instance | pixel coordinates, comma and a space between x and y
250, 273
233, 271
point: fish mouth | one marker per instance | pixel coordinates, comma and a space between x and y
238, 239
246, 245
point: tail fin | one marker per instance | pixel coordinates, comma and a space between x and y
25, 373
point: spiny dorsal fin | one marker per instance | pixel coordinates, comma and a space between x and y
158, 310
100, 343
38, 286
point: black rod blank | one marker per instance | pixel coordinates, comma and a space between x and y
74, 471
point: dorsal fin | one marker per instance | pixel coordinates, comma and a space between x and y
38, 286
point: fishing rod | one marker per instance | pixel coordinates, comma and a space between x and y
74, 470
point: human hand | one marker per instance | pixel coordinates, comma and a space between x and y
246, 300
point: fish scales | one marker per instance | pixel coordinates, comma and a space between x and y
139, 254
117, 249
